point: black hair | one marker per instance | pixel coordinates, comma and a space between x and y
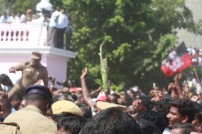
17, 96
186, 128
6, 102
152, 120
111, 121
5, 80
38, 98
74, 97
148, 127
185, 107
87, 113
116, 96
163, 108
72, 123
147, 103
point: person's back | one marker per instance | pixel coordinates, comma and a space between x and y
111, 121
32, 119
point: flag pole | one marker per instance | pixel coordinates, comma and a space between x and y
196, 74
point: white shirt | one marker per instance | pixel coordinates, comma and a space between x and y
62, 21
20, 19
166, 131
53, 19
4, 19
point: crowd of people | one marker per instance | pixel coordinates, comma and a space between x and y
58, 24
18, 17
38, 103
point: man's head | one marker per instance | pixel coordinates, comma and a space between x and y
114, 98
39, 96
71, 125
182, 128
62, 9
36, 58
181, 110
111, 121
5, 108
5, 80
151, 122
16, 100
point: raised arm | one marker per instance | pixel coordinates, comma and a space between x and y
178, 85
85, 91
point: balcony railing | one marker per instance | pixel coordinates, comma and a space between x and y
30, 34
24, 38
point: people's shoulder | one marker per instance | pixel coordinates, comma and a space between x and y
11, 117
46, 123
27, 62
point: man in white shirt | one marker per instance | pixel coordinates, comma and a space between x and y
4, 18
61, 27
52, 31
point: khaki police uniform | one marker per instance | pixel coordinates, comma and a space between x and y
30, 75
32, 121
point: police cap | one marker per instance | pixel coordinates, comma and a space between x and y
36, 55
38, 89
64, 106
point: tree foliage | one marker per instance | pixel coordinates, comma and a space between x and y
138, 35
18, 5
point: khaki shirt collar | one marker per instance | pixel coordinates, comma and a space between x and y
33, 108
31, 64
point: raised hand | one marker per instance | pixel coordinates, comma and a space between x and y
84, 72
12, 70
177, 78
137, 105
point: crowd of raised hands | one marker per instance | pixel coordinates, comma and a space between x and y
146, 109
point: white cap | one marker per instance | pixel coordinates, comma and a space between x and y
44, 4
135, 88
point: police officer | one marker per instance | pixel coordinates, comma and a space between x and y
32, 72
32, 119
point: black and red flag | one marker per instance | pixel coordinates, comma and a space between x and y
177, 60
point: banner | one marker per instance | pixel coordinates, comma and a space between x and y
177, 60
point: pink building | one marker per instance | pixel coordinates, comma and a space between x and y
18, 41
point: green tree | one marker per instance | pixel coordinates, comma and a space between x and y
18, 5
137, 34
